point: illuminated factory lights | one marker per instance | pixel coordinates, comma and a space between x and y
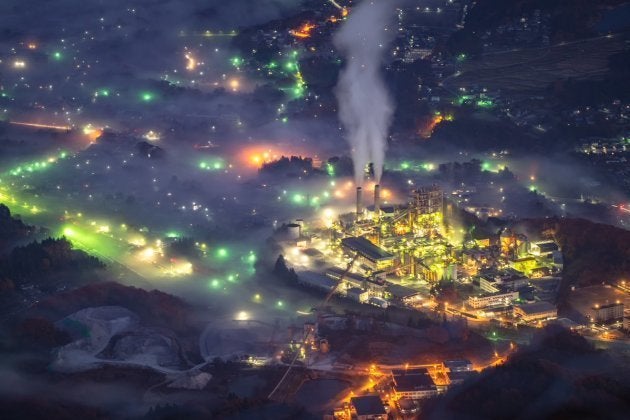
222, 253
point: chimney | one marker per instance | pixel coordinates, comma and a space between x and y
377, 200
359, 201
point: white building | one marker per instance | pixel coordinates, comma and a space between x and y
482, 301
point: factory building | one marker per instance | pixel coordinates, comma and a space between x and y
368, 407
370, 255
316, 281
494, 299
543, 248
407, 240
373, 286
604, 314
496, 283
358, 295
537, 311
414, 384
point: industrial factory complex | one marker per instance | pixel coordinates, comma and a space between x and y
402, 254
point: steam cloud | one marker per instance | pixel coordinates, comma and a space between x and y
365, 106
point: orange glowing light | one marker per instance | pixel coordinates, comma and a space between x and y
32, 46
256, 156
191, 63
303, 31
234, 84
91, 132
427, 129
37, 125
344, 12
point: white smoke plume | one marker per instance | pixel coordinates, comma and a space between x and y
365, 106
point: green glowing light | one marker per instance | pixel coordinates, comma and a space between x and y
280, 304
485, 103
236, 61
147, 96
285, 120
222, 253
172, 234
298, 92
298, 198
330, 169
290, 66
272, 65
462, 99
68, 232
485, 166
103, 92
461, 57
214, 283
251, 258
405, 165
214, 165
533, 188
57, 55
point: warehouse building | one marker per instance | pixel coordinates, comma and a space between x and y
414, 384
370, 255
536, 311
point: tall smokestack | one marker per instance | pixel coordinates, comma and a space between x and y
365, 104
359, 201
377, 199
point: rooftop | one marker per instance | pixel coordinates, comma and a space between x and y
368, 405
367, 248
547, 246
410, 372
405, 383
537, 307
399, 291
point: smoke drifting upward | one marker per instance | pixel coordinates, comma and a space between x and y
365, 106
